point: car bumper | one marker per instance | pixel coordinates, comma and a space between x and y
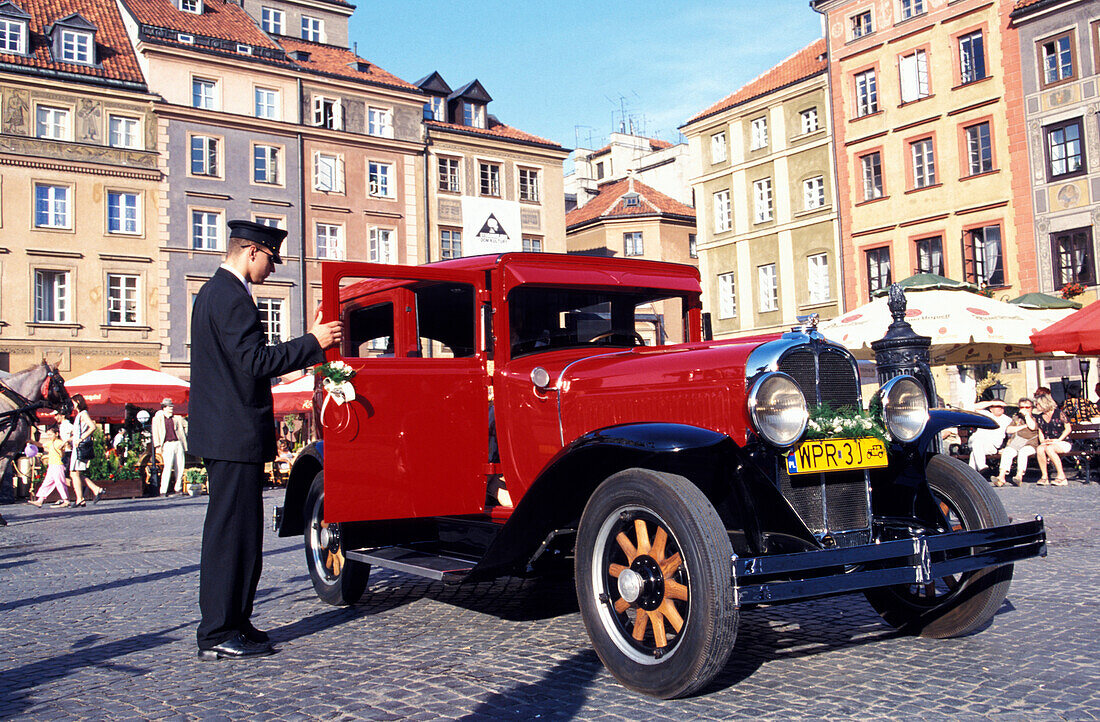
918, 560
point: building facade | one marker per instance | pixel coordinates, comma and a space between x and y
79, 183
923, 96
489, 188
657, 163
768, 237
1059, 45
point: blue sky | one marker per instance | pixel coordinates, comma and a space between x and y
551, 65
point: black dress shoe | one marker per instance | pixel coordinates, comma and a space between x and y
255, 635
236, 647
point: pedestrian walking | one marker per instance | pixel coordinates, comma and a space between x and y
82, 451
170, 439
55, 471
233, 429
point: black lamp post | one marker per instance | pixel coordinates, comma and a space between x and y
997, 391
1084, 364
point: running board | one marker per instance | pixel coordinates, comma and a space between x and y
413, 561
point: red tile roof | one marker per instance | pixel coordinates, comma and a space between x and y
806, 63
495, 129
219, 19
333, 60
608, 204
113, 50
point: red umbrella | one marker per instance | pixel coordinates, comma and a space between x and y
1078, 333
293, 397
109, 389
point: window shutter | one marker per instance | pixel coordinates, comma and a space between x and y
316, 170
337, 115
318, 111
339, 172
910, 85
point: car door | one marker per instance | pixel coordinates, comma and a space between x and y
414, 441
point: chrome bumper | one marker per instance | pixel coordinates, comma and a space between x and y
919, 560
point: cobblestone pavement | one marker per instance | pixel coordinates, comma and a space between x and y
99, 608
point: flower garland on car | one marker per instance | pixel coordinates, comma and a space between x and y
826, 422
336, 380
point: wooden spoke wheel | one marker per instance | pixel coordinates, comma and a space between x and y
336, 579
654, 582
958, 604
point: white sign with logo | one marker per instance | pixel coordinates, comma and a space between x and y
490, 225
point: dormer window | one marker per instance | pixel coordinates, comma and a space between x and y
76, 47
437, 106
630, 200
13, 29
73, 40
473, 115
191, 6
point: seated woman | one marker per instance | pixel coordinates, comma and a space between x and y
1055, 427
1023, 438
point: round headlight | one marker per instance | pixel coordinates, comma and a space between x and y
904, 408
778, 409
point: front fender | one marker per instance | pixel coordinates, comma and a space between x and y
309, 461
940, 419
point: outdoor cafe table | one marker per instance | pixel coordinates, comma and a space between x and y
1085, 438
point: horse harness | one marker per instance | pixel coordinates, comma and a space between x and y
25, 408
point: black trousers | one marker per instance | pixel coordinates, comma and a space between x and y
232, 546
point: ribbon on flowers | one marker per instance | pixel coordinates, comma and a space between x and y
338, 392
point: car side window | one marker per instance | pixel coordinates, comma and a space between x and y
369, 332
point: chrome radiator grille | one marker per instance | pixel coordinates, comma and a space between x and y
836, 501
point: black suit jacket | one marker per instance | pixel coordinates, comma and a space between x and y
230, 407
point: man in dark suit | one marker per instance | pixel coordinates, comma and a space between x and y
233, 430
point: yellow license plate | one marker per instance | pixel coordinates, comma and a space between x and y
814, 457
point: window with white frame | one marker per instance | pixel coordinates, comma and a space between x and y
473, 114
913, 69
861, 24
379, 180
329, 239
266, 103
769, 287
124, 132
204, 93
866, 93
529, 185
759, 135
979, 149
762, 200
328, 173
872, 175
911, 8
51, 296
271, 318
204, 155
271, 221
489, 175
51, 206
380, 122
727, 296
809, 120
813, 193
13, 36
450, 243
123, 212
437, 107
449, 175
52, 123
313, 29
77, 47
272, 20
122, 299
265, 164
206, 230
191, 6
532, 244
693, 246
971, 57
924, 163
723, 212
381, 246
328, 113
817, 277
718, 148
632, 244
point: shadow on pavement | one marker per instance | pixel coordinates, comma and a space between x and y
559, 694
22, 550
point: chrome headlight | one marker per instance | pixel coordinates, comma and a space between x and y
903, 406
778, 408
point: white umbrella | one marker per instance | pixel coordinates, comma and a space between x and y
965, 327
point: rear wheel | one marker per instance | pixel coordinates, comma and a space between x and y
654, 582
336, 579
955, 605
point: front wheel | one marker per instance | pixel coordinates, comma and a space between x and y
655, 582
959, 604
336, 579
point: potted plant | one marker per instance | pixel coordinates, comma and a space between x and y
196, 480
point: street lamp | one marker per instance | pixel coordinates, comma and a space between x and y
997, 391
1084, 364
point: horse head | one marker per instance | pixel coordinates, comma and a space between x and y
53, 390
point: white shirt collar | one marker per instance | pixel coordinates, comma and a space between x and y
235, 272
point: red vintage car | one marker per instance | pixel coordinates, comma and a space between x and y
517, 414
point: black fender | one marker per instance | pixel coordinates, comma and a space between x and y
309, 461
940, 419
557, 497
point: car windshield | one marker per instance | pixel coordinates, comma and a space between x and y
544, 319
